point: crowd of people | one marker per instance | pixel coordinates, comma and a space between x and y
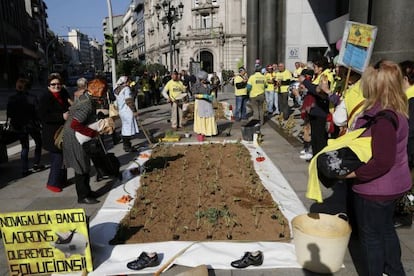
319, 89
55, 112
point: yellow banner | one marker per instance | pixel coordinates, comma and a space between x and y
360, 35
45, 242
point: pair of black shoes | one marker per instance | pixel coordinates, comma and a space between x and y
250, 258
144, 260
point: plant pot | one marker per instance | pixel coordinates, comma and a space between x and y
322, 234
200, 137
187, 135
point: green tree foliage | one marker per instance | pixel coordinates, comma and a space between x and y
133, 68
156, 67
227, 75
128, 67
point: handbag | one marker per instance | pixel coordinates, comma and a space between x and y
58, 137
7, 133
113, 110
337, 163
103, 126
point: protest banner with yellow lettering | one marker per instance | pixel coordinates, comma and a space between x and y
45, 242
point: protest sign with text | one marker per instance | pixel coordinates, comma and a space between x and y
45, 242
357, 45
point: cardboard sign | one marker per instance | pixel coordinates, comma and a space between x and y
45, 242
357, 45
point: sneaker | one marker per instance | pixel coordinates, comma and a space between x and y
144, 260
249, 258
306, 156
305, 151
403, 221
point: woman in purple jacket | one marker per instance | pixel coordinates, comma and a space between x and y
385, 177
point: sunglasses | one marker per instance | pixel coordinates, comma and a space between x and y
55, 84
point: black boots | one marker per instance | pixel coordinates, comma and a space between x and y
127, 144
83, 189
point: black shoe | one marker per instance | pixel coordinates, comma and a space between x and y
144, 260
38, 168
249, 258
403, 221
26, 173
116, 140
101, 177
130, 149
88, 200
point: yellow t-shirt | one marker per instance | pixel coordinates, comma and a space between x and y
330, 77
174, 88
410, 92
258, 84
284, 76
240, 91
269, 80
353, 97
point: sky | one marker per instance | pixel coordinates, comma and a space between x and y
85, 15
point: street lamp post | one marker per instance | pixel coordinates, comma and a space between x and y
111, 32
171, 14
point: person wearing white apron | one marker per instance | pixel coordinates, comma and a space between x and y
127, 112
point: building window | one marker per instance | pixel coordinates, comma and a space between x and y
316, 52
205, 22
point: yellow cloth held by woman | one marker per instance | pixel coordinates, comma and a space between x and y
361, 146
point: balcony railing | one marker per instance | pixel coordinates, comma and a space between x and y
213, 32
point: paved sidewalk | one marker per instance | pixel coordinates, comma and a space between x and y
29, 193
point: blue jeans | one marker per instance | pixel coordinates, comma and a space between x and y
57, 174
24, 142
240, 111
379, 241
272, 102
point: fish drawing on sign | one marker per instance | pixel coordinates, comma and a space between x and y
70, 243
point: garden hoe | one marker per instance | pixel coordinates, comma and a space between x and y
145, 133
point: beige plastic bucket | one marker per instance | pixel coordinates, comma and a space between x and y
321, 241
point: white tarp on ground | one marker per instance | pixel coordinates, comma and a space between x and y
112, 260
